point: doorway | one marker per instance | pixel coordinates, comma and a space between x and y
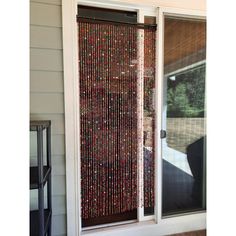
111, 71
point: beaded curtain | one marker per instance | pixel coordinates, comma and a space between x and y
108, 107
149, 115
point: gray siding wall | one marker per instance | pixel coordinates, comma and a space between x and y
47, 98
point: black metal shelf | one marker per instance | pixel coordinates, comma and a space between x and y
40, 220
34, 177
34, 124
34, 221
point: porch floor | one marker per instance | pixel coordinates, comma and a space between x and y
194, 233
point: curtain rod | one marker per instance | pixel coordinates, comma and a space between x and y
100, 21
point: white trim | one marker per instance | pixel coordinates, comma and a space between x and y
159, 86
150, 228
140, 88
117, 5
71, 96
179, 12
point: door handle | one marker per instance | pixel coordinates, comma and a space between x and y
163, 134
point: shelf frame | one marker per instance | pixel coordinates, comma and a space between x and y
35, 124
34, 181
34, 226
40, 220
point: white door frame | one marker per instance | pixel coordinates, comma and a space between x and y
72, 123
161, 226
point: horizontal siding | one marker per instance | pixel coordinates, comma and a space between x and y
59, 185
45, 14
47, 103
46, 82
58, 165
59, 205
51, 2
47, 99
45, 37
59, 225
46, 60
58, 145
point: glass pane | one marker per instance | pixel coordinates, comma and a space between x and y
184, 148
149, 115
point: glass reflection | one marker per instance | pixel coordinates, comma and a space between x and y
148, 116
184, 148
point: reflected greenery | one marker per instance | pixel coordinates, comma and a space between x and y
186, 93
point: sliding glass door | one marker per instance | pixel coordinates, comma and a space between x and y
117, 82
117, 67
184, 116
